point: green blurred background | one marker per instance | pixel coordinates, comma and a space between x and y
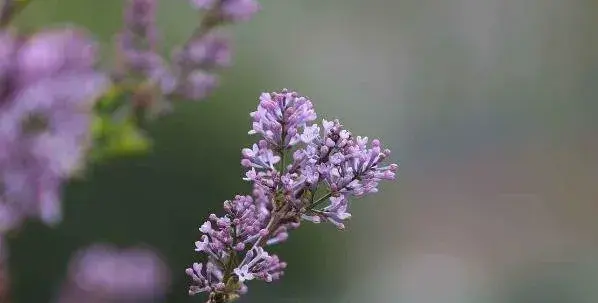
487, 105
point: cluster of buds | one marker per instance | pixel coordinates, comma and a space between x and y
48, 85
191, 72
298, 172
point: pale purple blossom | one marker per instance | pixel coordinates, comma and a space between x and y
209, 51
229, 10
259, 156
45, 118
280, 116
48, 87
137, 46
291, 163
196, 63
192, 70
206, 277
336, 212
258, 264
54, 52
197, 85
107, 274
140, 17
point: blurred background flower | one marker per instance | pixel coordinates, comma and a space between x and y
102, 273
487, 105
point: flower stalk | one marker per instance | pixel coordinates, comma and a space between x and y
327, 157
11, 8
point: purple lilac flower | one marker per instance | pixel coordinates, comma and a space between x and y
55, 52
229, 10
191, 73
106, 274
45, 116
137, 44
291, 163
210, 51
197, 85
195, 64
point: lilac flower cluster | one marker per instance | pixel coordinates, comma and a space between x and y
48, 91
326, 166
106, 274
48, 85
228, 10
137, 48
191, 72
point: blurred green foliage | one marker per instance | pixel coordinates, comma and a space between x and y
116, 134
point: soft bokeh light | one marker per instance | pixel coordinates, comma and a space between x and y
102, 273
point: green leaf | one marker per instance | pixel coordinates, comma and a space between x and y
116, 135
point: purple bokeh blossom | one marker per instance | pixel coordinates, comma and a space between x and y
210, 51
229, 10
47, 90
192, 70
298, 172
106, 274
195, 63
138, 43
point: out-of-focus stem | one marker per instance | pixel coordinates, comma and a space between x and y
10, 8
210, 20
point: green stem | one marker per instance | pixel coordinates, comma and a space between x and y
282, 160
